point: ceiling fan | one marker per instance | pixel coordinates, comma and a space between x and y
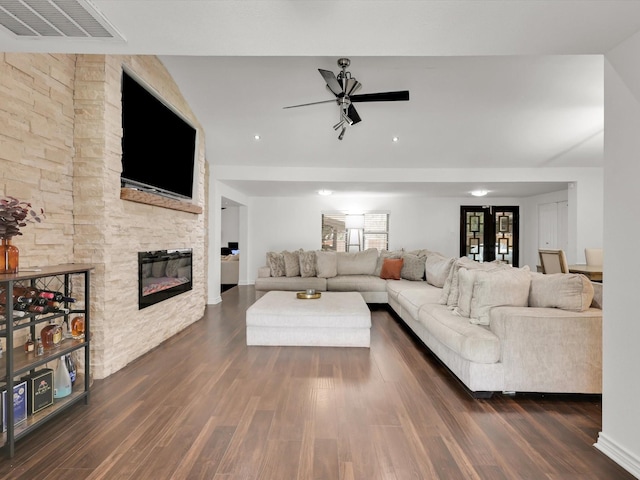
344, 86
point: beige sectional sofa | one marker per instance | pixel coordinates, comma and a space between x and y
497, 328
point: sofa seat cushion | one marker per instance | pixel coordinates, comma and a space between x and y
394, 287
290, 284
411, 299
356, 283
475, 343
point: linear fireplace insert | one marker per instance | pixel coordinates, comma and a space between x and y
163, 274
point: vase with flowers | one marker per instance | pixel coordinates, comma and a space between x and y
14, 214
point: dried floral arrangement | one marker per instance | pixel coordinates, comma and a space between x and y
15, 214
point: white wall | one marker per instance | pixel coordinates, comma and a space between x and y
620, 438
285, 223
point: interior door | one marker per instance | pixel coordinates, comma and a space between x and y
490, 233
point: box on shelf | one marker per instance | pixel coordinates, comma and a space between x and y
39, 390
19, 404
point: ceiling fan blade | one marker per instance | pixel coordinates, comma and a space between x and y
381, 97
312, 103
332, 81
353, 115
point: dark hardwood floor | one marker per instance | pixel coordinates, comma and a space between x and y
203, 405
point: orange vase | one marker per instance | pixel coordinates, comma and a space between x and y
9, 256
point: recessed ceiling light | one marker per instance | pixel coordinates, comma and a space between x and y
479, 193
256, 137
395, 139
324, 192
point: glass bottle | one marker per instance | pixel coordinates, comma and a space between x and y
71, 367
61, 380
77, 327
9, 256
39, 348
29, 346
51, 335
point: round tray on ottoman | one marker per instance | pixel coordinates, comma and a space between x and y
308, 296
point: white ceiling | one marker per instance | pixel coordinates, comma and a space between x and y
494, 85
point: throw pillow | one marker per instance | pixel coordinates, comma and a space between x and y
412, 267
291, 263
307, 264
172, 267
326, 264
466, 279
275, 261
385, 254
498, 288
357, 263
391, 268
437, 269
567, 291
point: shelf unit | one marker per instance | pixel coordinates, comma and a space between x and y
73, 279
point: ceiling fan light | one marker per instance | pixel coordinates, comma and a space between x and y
345, 118
338, 125
344, 129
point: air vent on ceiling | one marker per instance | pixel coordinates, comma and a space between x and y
55, 18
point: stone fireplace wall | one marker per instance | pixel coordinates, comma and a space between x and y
60, 126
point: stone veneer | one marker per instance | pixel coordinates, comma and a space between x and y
60, 131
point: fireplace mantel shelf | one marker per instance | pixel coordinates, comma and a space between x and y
139, 196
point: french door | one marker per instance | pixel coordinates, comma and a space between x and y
489, 233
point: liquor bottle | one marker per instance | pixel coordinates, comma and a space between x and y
39, 348
29, 346
61, 380
77, 327
71, 367
51, 335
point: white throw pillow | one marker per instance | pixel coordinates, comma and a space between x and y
437, 269
466, 280
357, 263
498, 288
326, 264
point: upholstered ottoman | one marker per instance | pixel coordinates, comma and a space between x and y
336, 319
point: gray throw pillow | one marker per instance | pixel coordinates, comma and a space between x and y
275, 261
307, 264
291, 263
412, 267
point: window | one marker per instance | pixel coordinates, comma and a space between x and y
374, 235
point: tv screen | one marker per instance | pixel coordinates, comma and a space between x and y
158, 145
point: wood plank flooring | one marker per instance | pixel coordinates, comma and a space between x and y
203, 405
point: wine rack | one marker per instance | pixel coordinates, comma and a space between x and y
72, 279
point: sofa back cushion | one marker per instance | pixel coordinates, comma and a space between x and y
567, 291
437, 269
357, 263
326, 264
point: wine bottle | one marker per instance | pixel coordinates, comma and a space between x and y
59, 296
16, 313
31, 292
61, 380
71, 367
16, 298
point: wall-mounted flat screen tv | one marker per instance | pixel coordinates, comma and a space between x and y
158, 145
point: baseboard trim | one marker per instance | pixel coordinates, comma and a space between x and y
618, 454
